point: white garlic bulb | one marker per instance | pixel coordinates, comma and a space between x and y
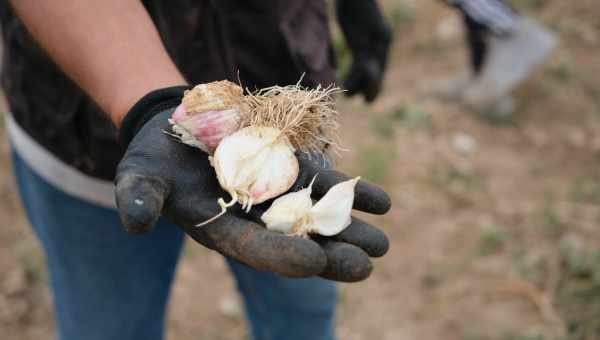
294, 213
253, 165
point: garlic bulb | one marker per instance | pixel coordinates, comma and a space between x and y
294, 213
252, 139
253, 165
207, 114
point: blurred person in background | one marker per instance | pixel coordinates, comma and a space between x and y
504, 48
80, 76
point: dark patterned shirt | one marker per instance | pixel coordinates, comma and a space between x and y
266, 42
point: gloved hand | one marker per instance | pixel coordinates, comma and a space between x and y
160, 174
369, 38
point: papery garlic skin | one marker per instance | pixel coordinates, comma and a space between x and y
255, 164
208, 113
332, 213
215, 96
329, 216
204, 130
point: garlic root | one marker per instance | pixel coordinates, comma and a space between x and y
306, 116
223, 206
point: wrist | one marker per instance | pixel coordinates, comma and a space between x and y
146, 108
120, 99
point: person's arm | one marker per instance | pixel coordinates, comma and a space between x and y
110, 48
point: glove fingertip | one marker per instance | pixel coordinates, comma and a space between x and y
371, 199
139, 202
370, 239
371, 93
136, 218
346, 263
379, 244
383, 245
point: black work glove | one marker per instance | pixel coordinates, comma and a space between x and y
160, 174
369, 38
476, 39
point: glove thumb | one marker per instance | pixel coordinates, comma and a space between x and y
140, 201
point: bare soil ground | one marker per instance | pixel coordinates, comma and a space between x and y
495, 227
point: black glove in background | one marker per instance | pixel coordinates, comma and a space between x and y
368, 37
476, 40
160, 174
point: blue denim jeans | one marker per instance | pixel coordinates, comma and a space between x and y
114, 286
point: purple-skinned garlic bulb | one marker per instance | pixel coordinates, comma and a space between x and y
207, 114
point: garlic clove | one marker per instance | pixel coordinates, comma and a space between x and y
279, 170
208, 113
293, 213
186, 138
179, 113
204, 130
286, 213
332, 213
231, 161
